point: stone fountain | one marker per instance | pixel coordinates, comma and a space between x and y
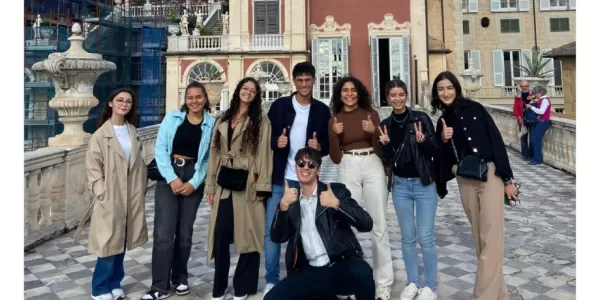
471, 77
74, 73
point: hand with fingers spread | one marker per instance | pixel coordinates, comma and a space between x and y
384, 138
447, 132
338, 127
328, 199
367, 125
419, 133
290, 196
314, 143
282, 141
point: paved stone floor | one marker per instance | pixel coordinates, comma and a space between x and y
539, 255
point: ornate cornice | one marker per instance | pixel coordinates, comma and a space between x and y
330, 26
389, 24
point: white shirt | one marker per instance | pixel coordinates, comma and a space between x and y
296, 137
543, 106
122, 134
311, 240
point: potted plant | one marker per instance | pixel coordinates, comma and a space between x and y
173, 16
535, 69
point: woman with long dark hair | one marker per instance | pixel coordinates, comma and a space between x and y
117, 182
354, 145
475, 154
181, 153
409, 145
239, 179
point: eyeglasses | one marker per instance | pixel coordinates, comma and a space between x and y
122, 102
311, 164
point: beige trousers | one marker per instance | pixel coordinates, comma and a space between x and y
484, 206
364, 176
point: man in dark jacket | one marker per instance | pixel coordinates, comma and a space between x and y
297, 121
519, 108
323, 256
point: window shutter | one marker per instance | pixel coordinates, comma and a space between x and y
315, 62
406, 67
572, 4
524, 5
272, 17
260, 17
473, 5
345, 56
495, 5
476, 57
549, 67
498, 68
544, 5
375, 71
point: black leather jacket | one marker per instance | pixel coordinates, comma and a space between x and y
334, 227
423, 153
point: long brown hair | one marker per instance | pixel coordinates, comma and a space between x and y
107, 111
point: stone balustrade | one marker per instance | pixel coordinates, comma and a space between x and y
559, 146
56, 194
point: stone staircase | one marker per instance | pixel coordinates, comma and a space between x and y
217, 29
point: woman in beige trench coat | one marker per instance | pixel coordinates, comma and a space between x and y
117, 181
241, 141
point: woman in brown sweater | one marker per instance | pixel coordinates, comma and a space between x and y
354, 145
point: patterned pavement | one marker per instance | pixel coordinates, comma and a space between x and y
539, 256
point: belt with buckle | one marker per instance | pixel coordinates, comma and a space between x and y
360, 153
180, 162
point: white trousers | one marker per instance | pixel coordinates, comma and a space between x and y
364, 176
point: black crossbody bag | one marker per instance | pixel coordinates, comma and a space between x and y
470, 166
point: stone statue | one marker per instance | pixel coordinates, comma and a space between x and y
199, 18
86, 27
36, 28
183, 25
225, 23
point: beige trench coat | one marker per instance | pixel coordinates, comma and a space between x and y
118, 193
249, 215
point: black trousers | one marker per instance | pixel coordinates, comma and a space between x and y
245, 279
174, 217
351, 276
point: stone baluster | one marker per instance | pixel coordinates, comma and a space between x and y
33, 199
45, 189
26, 217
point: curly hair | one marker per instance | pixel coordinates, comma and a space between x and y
252, 134
364, 97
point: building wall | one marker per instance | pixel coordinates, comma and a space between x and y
443, 28
359, 13
569, 86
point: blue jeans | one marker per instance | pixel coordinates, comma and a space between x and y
108, 274
537, 138
273, 250
406, 193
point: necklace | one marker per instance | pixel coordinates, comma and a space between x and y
400, 122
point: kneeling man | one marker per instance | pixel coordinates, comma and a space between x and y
323, 256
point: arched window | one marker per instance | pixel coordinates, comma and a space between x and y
275, 75
204, 72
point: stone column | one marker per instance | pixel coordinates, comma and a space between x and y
74, 73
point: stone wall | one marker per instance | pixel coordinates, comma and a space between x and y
56, 194
568, 69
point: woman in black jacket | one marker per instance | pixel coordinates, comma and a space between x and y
409, 144
478, 145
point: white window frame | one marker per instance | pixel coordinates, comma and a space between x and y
558, 6
508, 8
512, 65
519, 5
476, 56
319, 90
465, 6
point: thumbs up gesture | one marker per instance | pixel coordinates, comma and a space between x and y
290, 195
328, 199
282, 141
447, 132
384, 138
337, 127
367, 125
314, 143
419, 133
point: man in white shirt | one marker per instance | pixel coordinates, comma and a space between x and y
323, 256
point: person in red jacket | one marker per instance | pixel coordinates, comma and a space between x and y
521, 100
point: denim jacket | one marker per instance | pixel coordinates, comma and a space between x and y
164, 146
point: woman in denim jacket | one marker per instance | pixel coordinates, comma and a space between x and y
181, 154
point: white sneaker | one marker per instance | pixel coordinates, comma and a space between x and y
182, 289
382, 293
267, 289
107, 296
426, 294
409, 292
240, 298
219, 298
118, 294
349, 297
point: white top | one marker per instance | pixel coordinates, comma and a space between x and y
311, 240
543, 106
296, 137
122, 134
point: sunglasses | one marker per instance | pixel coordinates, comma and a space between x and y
311, 164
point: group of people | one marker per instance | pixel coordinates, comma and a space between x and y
259, 172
